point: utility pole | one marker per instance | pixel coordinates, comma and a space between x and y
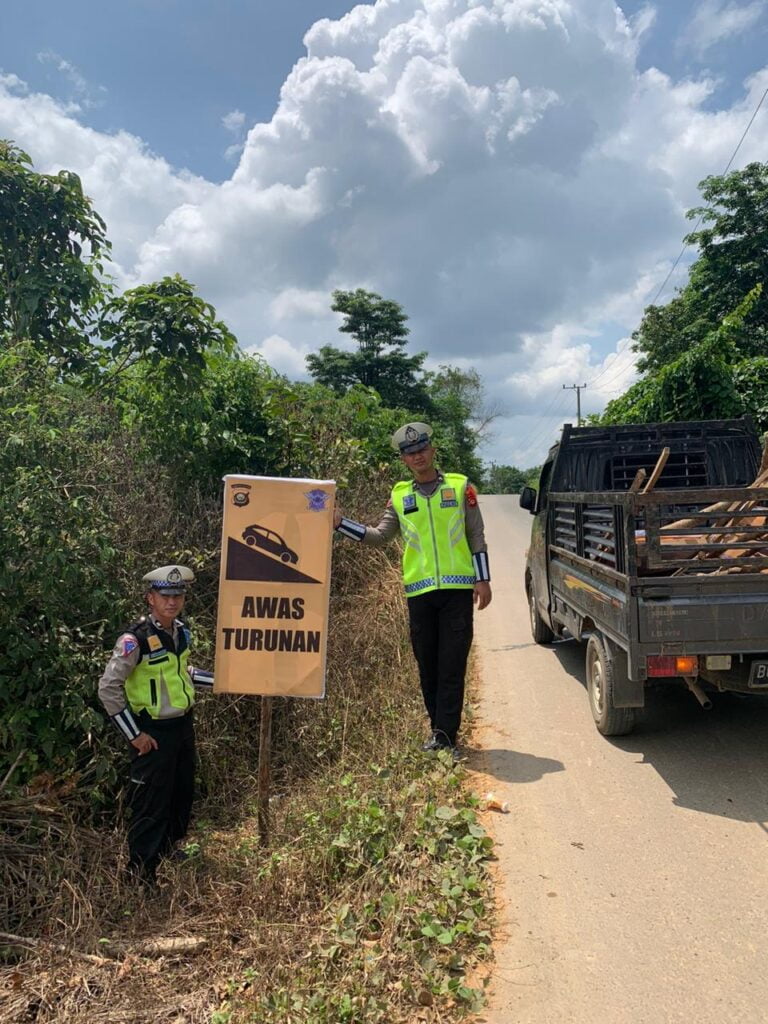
578, 388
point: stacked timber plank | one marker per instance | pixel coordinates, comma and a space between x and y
735, 530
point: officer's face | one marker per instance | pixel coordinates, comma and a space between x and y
165, 607
420, 462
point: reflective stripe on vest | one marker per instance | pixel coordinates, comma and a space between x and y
160, 683
436, 554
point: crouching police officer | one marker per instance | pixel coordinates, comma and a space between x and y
148, 691
445, 569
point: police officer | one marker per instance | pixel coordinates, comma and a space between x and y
148, 691
445, 569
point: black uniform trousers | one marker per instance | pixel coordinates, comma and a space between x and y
441, 636
160, 791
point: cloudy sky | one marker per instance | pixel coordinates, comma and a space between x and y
514, 172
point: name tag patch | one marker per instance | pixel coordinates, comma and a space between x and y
155, 643
409, 503
448, 498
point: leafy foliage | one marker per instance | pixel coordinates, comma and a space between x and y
506, 479
732, 260
57, 584
460, 419
700, 384
166, 326
407, 855
379, 327
52, 248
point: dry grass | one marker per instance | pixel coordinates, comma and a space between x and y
264, 920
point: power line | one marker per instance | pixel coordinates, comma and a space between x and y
543, 431
634, 356
615, 366
701, 218
698, 224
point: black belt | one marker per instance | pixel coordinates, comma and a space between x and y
144, 719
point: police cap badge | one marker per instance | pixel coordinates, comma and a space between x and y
169, 579
413, 437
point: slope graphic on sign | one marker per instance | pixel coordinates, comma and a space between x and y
245, 563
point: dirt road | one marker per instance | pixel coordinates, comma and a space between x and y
635, 871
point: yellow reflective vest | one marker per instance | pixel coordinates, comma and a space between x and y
436, 554
160, 683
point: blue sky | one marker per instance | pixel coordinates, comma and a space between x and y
165, 70
514, 172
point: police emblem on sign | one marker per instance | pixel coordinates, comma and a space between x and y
317, 499
240, 495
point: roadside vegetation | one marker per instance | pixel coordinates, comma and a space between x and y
704, 355
119, 413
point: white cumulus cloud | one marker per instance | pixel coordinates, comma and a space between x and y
502, 168
717, 20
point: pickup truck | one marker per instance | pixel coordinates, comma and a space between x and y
663, 584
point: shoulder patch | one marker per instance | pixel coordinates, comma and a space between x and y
471, 496
127, 644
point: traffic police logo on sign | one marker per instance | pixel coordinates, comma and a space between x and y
317, 499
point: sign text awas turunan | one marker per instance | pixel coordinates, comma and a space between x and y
274, 585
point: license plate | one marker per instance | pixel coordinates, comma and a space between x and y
758, 674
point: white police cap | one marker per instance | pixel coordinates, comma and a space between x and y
411, 438
169, 579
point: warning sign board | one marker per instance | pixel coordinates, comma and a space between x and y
274, 586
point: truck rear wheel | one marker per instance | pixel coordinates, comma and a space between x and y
610, 721
540, 631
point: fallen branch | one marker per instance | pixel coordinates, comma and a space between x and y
11, 770
6, 938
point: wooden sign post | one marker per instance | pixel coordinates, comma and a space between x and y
265, 759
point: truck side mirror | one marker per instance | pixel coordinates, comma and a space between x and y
528, 499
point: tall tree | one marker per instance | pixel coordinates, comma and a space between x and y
379, 327
165, 324
505, 479
461, 416
733, 258
699, 384
52, 248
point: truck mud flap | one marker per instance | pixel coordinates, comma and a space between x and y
627, 693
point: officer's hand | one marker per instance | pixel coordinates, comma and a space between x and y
336, 519
482, 595
144, 743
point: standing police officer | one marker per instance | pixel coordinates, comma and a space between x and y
148, 691
445, 569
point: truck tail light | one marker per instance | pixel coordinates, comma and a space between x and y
672, 665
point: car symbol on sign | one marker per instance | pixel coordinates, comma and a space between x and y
269, 541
